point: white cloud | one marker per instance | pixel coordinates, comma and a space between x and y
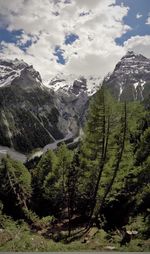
138, 15
139, 44
46, 23
96, 63
91, 4
148, 20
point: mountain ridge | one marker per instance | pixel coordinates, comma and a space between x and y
33, 115
130, 79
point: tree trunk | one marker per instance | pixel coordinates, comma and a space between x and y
105, 139
21, 200
119, 158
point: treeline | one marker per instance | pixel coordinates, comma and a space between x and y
104, 182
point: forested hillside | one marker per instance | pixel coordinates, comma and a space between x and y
95, 196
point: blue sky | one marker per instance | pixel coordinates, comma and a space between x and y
8, 36
73, 36
139, 26
12, 37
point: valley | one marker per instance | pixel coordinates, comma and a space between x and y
75, 159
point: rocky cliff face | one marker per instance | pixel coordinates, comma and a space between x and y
31, 115
74, 94
74, 102
130, 79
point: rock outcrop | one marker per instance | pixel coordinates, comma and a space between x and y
130, 79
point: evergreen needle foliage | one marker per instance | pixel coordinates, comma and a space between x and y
99, 190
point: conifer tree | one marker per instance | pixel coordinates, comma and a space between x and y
55, 183
16, 180
118, 157
95, 148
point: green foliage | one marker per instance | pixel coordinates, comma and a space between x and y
92, 150
46, 165
55, 183
15, 179
108, 175
46, 221
144, 148
102, 145
16, 236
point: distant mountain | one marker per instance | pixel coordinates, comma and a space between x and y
130, 79
65, 83
31, 115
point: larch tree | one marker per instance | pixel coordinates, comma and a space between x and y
16, 180
95, 148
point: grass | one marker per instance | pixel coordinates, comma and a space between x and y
17, 236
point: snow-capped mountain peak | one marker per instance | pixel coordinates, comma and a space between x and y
130, 78
9, 70
67, 83
12, 69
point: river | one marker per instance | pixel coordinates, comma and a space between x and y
4, 150
12, 153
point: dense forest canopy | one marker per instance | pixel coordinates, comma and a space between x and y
103, 184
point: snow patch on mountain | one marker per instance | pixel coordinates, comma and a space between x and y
9, 70
12, 69
136, 84
130, 78
66, 83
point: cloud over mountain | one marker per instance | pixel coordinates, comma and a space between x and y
89, 27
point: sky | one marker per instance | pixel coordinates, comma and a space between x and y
80, 37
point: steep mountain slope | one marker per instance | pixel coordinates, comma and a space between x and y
130, 79
33, 115
9, 70
30, 113
74, 103
74, 94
